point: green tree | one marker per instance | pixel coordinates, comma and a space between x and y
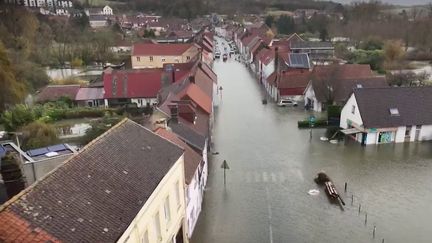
323, 34
16, 117
38, 134
12, 91
11, 174
269, 20
285, 25
372, 43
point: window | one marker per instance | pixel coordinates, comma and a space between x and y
138, 59
157, 226
167, 210
163, 59
353, 108
359, 86
394, 112
151, 58
145, 238
188, 58
177, 194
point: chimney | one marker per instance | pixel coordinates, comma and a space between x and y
192, 79
173, 112
276, 61
173, 77
167, 75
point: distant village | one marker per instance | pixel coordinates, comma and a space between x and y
144, 179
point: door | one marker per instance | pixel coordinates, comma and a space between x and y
417, 133
364, 138
408, 134
179, 236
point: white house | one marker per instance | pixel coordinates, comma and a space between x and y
335, 83
195, 178
388, 115
107, 10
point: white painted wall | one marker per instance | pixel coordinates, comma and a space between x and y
193, 200
310, 93
371, 138
142, 102
400, 135
171, 186
346, 113
425, 132
268, 69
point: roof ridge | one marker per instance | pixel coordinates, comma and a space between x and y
29, 188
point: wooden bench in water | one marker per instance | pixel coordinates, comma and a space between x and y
323, 179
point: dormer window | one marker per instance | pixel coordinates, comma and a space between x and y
394, 112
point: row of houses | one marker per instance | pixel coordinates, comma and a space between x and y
153, 65
137, 182
372, 113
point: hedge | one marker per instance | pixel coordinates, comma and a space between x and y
319, 123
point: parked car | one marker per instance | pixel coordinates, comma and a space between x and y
217, 55
287, 102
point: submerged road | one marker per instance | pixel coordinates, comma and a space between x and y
272, 166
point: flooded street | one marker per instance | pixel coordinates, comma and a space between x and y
272, 166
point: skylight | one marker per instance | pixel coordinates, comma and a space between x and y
394, 111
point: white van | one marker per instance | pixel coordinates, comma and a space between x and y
287, 102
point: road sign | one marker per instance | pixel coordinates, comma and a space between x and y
312, 119
225, 165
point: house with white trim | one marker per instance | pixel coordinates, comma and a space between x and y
388, 115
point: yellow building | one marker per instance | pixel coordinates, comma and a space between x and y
149, 55
125, 186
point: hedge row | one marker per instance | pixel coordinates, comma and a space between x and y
319, 123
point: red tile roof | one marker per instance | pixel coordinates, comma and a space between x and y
207, 70
266, 56
146, 49
90, 94
204, 82
191, 158
293, 83
142, 83
248, 39
194, 93
293, 80
54, 92
342, 71
13, 228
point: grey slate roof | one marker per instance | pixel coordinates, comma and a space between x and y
95, 195
413, 103
188, 135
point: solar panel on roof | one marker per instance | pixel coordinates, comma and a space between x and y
56, 148
2, 151
37, 152
299, 60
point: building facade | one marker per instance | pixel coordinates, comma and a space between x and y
155, 55
388, 115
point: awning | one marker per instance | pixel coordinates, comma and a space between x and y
350, 131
